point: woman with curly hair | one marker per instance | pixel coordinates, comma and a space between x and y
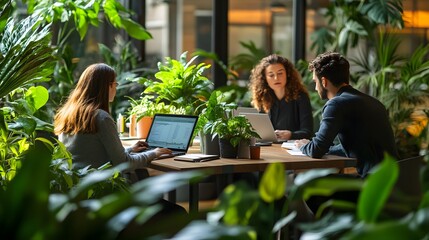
277, 89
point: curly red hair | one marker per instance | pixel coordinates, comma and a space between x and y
262, 95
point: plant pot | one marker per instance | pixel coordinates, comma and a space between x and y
243, 149
208, 145
226, 149
143, 126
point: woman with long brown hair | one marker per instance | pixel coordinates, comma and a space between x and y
87, 129
277, 89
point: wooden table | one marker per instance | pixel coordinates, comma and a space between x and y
269, 154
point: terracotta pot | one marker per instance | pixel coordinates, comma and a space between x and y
143, 126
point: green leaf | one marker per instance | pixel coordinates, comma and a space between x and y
201, 230
238, 204
112, 14
3, 127
5, 12
326, 186
37, 96
376, 190
82, 23
329, 227
385, 12
135, 30
272, 185
386, 230
322, 39
25, 124
28, 219
424, 203
284, 221
307, 176
154, 187
93, 178
28, 56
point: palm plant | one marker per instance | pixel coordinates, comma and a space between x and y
400, 85
377, 70
246, 61
355, 20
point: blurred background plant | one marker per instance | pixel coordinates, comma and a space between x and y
238, 72
69, 22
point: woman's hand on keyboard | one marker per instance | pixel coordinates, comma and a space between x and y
140, 146
162, 151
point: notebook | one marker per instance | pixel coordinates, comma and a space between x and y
196, 157
171, 131
262, 124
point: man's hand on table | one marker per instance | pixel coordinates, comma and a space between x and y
301, 142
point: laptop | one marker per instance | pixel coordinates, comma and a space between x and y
262, 124
171, 131
240, 110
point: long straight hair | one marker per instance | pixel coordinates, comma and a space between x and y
78, 114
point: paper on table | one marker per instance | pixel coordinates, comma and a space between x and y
292, 149
290, 145
295, 152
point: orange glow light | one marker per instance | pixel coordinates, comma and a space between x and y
416, 19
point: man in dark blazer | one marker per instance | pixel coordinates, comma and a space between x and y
360, 121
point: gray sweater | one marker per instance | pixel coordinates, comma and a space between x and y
103, 146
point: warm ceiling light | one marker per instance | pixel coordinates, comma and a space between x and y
277, 6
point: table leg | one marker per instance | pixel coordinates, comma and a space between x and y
221, 182
193, 197
172, 196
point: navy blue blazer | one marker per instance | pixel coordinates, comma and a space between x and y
362, 125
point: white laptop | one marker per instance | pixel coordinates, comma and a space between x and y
262, 124
171, 131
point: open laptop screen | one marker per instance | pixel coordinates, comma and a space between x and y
171, 131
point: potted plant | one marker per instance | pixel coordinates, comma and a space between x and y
181, 83
231, 131
145, 108
214, 110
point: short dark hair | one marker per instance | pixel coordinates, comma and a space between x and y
332, 66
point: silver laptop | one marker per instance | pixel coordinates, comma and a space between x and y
240, 110
262, 124
171, 131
